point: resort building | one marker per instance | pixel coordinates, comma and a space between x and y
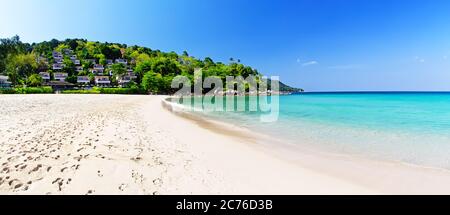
122, 61
83, 80
79, 68
73, 57
109, 62
96, 72
45, 76
4, 83
68, 51
60, 85
59, 61
99, 67
58, 66
76, 62
102, 80
125, 79
56, 54
60, 76
58, 57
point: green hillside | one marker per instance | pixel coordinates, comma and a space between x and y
152, 70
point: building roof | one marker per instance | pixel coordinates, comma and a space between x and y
59, 83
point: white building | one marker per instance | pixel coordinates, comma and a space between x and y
56, 54
102, 80
45, 76
68, 51
127, 78
60, 76
99, 67
4, 83
122, 61
83, 80
58, 66
76, 62
79, 68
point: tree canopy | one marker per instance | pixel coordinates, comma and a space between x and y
154, 69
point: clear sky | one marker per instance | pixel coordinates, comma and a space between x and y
315, 44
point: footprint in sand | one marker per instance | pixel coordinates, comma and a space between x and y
5, 170
122, 187
75, 167
56, 180
17, 186
157, 182
35, 169
15, 183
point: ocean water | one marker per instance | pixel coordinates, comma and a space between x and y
407, 127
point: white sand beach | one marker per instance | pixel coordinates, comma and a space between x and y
110, 144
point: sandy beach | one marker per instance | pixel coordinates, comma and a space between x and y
110, 144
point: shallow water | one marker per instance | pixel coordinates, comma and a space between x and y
407, 127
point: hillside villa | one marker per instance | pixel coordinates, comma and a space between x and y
79, 68
122, 61
60, 76
125, 79
45, 76
4, 83
58, 66
58, 79
99, 68
68, 51
76, 62
102, 80
84, 80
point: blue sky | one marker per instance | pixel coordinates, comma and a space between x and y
320, 45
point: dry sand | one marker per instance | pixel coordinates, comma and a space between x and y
110, 144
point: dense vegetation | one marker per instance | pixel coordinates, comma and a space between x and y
154, 69
27, 90
98, 90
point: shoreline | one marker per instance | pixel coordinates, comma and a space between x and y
381, 175
120, 144
260, 170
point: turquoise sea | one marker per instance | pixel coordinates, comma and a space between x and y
411, 127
